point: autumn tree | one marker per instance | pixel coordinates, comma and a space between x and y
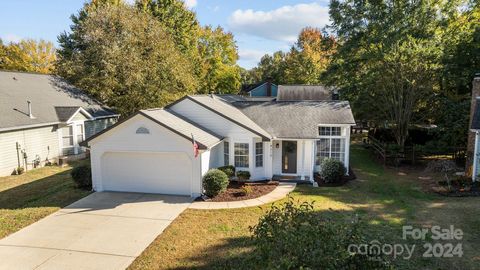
218, 53
28, 55
124, 58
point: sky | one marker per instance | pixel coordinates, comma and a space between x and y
259, 26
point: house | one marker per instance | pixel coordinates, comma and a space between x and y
305, 92
43, 118
260, 90
152, 150
473, 146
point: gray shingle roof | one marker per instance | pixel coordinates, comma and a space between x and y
476, 116
182, 126
230, 112
47, 93
303, 92
296, 119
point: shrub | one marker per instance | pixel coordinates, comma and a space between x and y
246, 190
82, 176
293, 236
215, 182
332, 170
229, 170
20, 170
243, 175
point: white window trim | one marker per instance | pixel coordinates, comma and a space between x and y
345, 131
226, 157
248, 155
76, 146
262, 154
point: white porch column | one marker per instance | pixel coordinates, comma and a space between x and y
475, 157
347, 149
303, 160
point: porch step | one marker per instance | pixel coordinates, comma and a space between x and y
292, 179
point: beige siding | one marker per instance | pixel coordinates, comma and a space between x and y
41, 141
95, 126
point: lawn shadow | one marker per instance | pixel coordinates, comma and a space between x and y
56, 190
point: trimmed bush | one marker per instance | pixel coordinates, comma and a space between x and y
332, 170
215, 182
294, 236
82, 176
229, 170
243, 175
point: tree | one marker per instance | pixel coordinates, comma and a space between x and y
124, 58
388, 57
28, 55
218, 53
309, 57
212, 51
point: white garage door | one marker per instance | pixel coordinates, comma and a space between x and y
164, 173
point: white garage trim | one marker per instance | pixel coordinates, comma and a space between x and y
120, 172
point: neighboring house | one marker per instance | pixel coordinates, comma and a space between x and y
259, 90
473, 147
42, 118
152, 150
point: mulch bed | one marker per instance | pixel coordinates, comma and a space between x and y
234, 191
342, 182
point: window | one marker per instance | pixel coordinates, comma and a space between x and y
67, 141
330, 131
142, 130
226, 153
79, 133
330, 148
259, 154
241, 155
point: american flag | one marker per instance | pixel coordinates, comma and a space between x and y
195, 147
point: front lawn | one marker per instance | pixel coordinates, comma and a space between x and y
385, 199
35, 194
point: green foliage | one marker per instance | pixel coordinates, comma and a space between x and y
28, 55
401, 58
246, 190
243, 175
293, 236
229, 170
82, 176
332, 170
124, 58
214, 182
304, 63
218, 53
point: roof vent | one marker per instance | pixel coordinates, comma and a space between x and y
30, 110
212, 95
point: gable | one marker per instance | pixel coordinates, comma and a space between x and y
209, 119
262, 90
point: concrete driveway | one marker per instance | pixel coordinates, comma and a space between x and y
105, 230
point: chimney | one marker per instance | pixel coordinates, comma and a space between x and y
471, 135
30, 109
269, 87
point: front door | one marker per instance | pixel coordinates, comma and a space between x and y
289, 157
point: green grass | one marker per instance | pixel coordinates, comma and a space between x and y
26, 198
384, 199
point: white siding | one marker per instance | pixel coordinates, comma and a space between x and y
216, 156
42, 141
223, 127
160, 140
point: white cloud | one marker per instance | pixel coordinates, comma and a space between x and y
282, 24
250, 55
11, 38
190, 3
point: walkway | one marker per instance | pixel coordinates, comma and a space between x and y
280, 192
